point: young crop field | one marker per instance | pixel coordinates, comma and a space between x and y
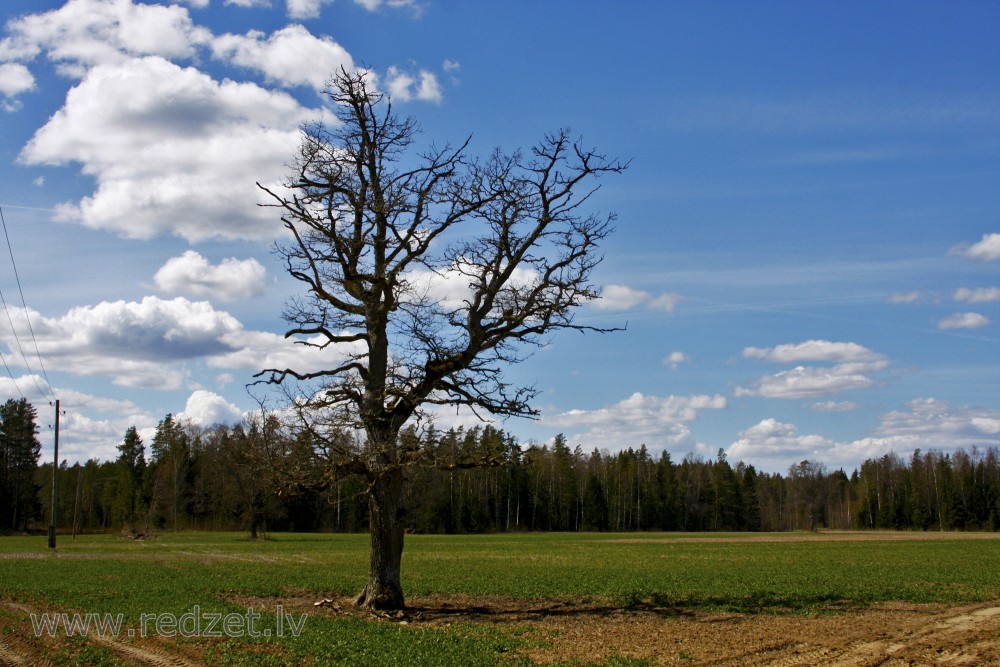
652, 598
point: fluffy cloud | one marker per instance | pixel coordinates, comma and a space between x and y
91, 426
451, 289
652, 420
84, 33
814, 350
773, 445
37, 392
924, 424
82, 401
853, 366
977, 295
933, 420
963, 321
14, 80
807, 382
134, 343
152, 342
291, 56
987, 249
675, 359
182, 152
623, 297
33, 387
84, 437
150, 329
257, 350
205, 408
404, 87
229, 280
305, 9
921, 424
179, 155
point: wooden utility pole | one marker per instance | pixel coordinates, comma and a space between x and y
55, 482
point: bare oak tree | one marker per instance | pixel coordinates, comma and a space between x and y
426, 274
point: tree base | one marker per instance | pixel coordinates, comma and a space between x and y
380, 598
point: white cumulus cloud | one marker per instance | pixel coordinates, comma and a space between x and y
925, 424
15, 79
151, 343
977, 295
986, 249
656, 421
450, 288
135, 343
675, 359
84, 33
229, 280
814, 350
306, 9
206, 408
404, 86
622, 297
773, 445
290, 57
964, 321
256, 350
177, 153
853, 368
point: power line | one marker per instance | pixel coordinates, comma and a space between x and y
27, 318
4, 360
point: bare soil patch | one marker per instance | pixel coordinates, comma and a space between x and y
818, 536
592, 631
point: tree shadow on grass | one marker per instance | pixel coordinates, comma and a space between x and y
490, 609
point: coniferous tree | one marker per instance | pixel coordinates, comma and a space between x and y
19, 452
595, 503
131, 465
170, 470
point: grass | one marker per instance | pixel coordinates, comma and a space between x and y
105, 574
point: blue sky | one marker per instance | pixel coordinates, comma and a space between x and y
807, 252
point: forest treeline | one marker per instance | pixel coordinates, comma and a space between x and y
244, 477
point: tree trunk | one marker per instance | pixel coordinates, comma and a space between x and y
385, 502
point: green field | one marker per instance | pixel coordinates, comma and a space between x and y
219, 572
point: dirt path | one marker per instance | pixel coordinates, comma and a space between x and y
19, 646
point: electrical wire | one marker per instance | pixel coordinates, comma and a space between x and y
27, 319
4, 360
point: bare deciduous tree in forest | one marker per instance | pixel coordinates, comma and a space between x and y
377, 232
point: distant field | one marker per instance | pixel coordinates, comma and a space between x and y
465, 584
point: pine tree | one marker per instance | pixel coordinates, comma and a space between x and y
131, 466
19, 452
